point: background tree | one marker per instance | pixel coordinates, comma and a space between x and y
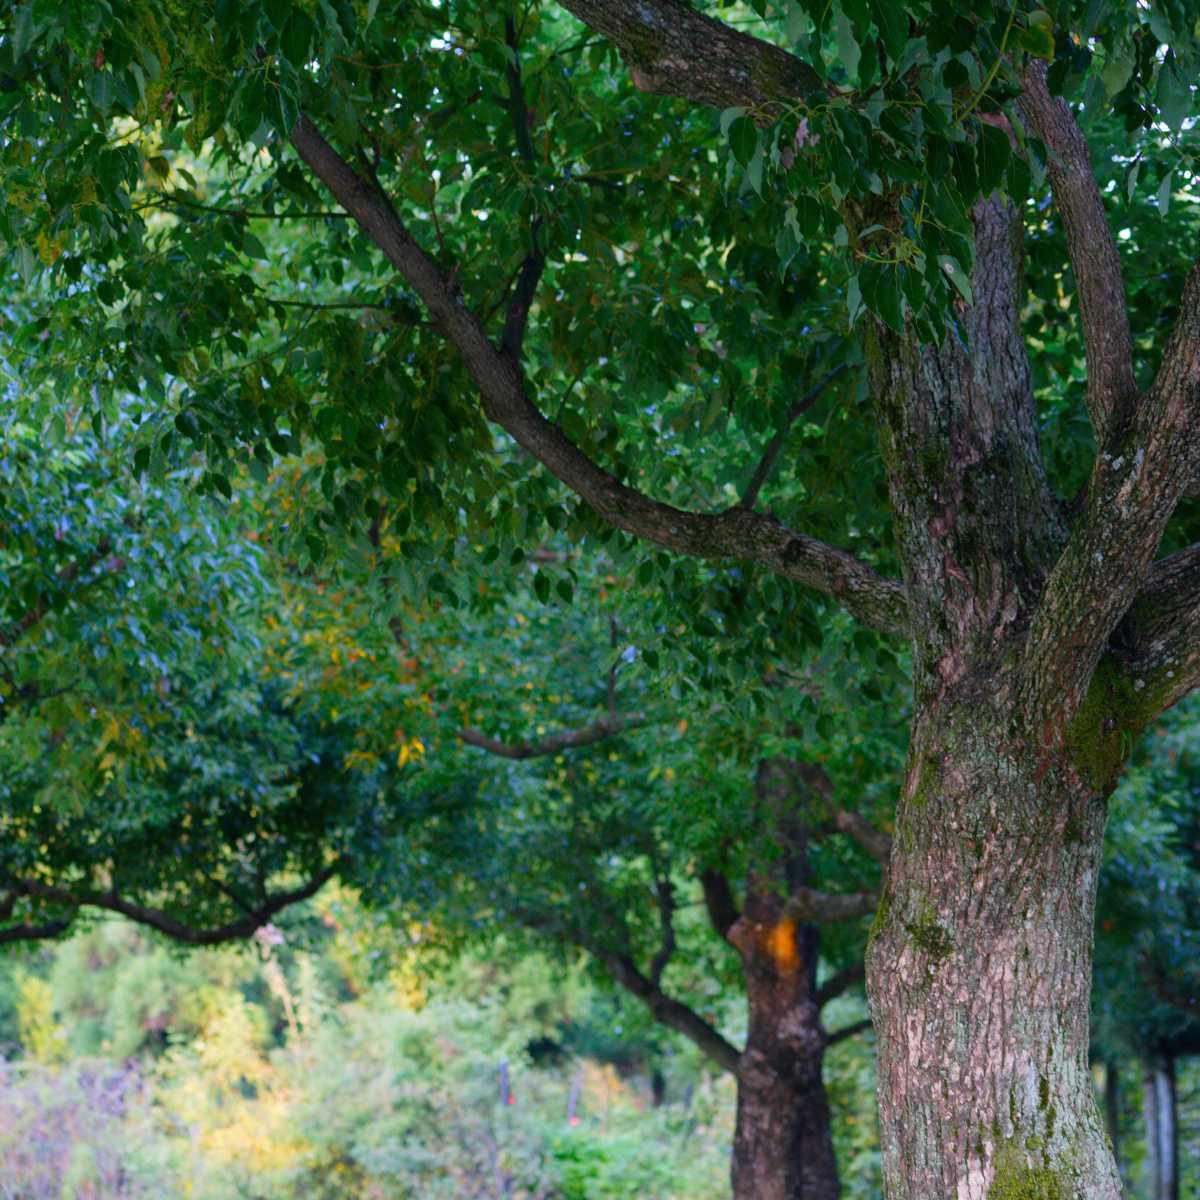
1046, 631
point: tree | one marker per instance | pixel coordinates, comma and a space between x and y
596, 841
487, 169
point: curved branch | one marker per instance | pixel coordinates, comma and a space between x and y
1111, 390
874, 841
570, 739
673, 1013
737, 534
155, 918
673, 50
835, 985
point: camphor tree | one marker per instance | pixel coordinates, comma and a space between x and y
529, 247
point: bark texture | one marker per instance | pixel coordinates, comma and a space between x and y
980, 970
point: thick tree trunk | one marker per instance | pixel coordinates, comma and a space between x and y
1162, 1130
783, 1145
979, 968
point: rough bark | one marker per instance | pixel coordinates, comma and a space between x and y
979, 968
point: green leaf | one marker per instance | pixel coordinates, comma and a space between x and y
991, 157
1163, 196
892, 21
880, 284
743, 139
957, 276
848, 49
541, 586
1038, 38
1173, 95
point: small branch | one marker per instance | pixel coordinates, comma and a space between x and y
841, 1035
530, 274
665, 897
841, 982
66, 574
767, 462
247, 213
718, 900
874, 841
571, 739
157, 919
807, 905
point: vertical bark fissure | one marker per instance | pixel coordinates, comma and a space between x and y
979, 971
976, 523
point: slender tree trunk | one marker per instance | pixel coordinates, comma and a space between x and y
1162, 1129
1112, 1108
979, 970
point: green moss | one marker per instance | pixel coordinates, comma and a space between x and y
881, 915
1113, 713
1016, 1180
1045, 1105
1073, 831
930, 936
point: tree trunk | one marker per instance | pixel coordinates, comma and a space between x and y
1162, 1130
783, 1144
1112, 1108
979, 967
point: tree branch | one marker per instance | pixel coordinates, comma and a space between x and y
673, 1013
878, 602
157, 919
67, 574
665, 897
1136, 481
1092, 249
838, 983
841, 1035
874, 841
807, 905
571, 739
673, 50
718, 900
763, 470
